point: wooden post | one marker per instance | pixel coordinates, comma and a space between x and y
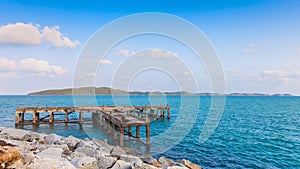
22, 117
51, 120
67, 117
115, 131
37, 117
17, 118
147, 118
137, 128
148, 134
152, 112
129, 131
168, 112
80, 117
94, 117
157, 111
122, 136
33, 118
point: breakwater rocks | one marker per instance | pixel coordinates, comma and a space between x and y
23, 149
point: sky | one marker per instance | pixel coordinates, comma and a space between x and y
257, 42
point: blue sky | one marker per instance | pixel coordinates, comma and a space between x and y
258, 43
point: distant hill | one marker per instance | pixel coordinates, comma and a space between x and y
109, 91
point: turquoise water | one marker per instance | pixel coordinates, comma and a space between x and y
254, 132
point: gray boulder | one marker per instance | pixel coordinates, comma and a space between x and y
27, 158
106, 162
51, 152
48, 163
133, 160
103, 145
85, 163
52, 139
71, 142
117, 151
14, 134
165, 161
88, 151
122, 165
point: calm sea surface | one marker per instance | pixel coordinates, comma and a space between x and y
254, 132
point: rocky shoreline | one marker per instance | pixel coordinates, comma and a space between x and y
23, 149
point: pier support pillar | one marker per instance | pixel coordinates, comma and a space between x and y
36, 117
129, 131
22, 117
17, 118
168, 112
148, 134
137, 128
80, 117
51, 120
67, 117
122, 136
152, 112
95, 117
115, 132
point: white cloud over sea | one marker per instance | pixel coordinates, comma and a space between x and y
30, 34
29, 66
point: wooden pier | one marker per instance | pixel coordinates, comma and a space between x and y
120, 118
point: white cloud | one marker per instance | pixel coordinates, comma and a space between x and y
92, 74
160, 53
186, 73
40, 67
105, 62
232, 70
285, 73
156, 53
54, 36
252, 45
29, 34
9, 75
20, 33
251, 48
123, 52
7, 65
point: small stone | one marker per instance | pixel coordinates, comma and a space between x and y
71, 142
49, 163
135, 161
51, 152
14, 134
52, 139
85, 163
27, 157
103, 145
76, 154
151, 161
122, 165
147, 166
106, 162
117, 151
189, 164
88, 151
165, 161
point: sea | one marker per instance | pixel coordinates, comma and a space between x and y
248, 132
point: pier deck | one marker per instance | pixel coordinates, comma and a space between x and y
118, 117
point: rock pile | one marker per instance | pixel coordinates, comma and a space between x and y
22, 149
